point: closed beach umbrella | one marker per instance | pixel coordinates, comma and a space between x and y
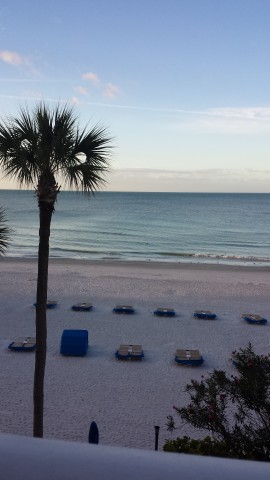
156, 436
93, 436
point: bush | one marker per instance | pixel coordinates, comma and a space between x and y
235, 409
207, 446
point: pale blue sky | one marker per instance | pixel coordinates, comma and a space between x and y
182, 85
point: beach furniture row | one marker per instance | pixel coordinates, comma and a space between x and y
129, 310
122, 309
161, 312
75, 343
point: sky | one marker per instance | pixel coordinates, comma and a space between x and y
182, 86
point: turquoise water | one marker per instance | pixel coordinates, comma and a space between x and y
174, 227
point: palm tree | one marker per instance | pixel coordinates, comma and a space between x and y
37, 148
4, 233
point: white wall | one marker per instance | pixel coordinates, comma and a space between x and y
24, 458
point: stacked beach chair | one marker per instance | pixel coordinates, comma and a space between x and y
23, 344
129, 352
124, 309
188, 357
204, 315
164, 312
254, 319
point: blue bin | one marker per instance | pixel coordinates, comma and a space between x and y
74, 343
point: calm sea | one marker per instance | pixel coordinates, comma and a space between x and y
171, 227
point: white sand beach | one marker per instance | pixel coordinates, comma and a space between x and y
126, 399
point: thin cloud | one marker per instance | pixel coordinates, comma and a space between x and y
188, 174
81, 90
244, 113
219, 120
75, 101
111, 91
230, 121
32, 94
13, 58
182, 173
199, 180
92, 77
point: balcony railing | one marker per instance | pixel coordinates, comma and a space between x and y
26, 458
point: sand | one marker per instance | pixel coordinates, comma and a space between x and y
126, 399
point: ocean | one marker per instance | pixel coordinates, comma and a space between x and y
166, 227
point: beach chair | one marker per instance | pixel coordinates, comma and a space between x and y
129, 352
136, 352
164, 312
50, 304
123, 352
74, 343
188, 357
128, 309
255, 319
204, 314
82, 307
23, 344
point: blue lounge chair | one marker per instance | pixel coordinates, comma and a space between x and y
129, 352
204, 315
124, 309
164, 312
49, 304
188, 357
74, 343
82, 307
255, 319
23, 344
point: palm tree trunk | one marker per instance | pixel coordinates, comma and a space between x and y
45, 212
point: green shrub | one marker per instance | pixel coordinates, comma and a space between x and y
207, 446
235, 410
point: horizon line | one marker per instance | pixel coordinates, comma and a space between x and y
141, 191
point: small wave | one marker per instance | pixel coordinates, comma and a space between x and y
105, 254
82, 232
215, 256
75, 251
233, 257
143, 255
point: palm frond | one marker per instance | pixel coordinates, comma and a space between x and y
90, 160
5, 232
18, 140
49, 141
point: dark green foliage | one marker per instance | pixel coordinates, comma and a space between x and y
235, 409
4, 233
207, 446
